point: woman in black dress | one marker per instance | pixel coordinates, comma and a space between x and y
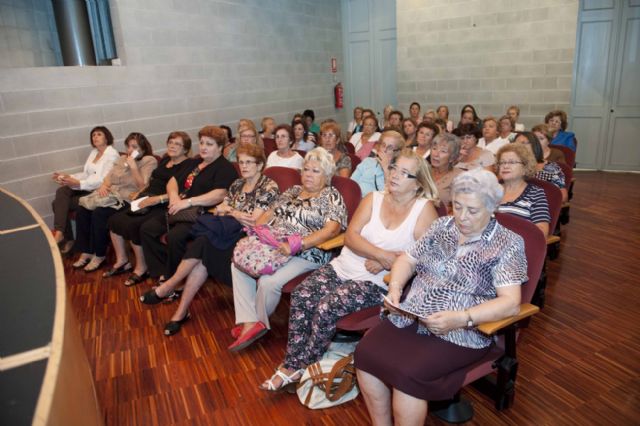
125, 225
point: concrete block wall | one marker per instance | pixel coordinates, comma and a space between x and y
489, 53
28, 36
186, 64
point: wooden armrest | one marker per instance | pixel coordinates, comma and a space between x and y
526, 310
212, 210
387, 279
335, 242
566, 205
552, 239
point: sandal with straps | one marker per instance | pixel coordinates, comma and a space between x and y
288, 382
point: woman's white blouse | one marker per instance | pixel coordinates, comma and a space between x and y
93, 174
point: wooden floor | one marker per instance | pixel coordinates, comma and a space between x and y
579, 360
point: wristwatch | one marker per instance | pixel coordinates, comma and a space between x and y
469, 319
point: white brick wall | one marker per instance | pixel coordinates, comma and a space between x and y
186, 64
28, 35
489, 53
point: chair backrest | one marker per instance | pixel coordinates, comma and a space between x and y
269, 146
568, 174
237, 167
350, 148
285, 177
355, 160
554, 199
535, 246
569, 154
350, 192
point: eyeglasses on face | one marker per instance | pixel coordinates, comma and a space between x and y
175, 143
328, 135
247, 162
509, 163
405, 174
390, 148
245, 136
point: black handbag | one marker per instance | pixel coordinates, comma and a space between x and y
188, 215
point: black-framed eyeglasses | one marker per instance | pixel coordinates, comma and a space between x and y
405, 174
509, 163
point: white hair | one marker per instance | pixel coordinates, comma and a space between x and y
482, 183
325, 159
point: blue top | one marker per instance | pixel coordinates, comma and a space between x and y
565, 139
369, 175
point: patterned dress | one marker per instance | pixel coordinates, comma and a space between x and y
295, 216
551, 172
449, 277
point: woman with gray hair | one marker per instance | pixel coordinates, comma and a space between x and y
469, 269
445, 151
316, 212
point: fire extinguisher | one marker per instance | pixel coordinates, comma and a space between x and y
338, 95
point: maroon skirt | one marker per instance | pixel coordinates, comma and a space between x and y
423, 366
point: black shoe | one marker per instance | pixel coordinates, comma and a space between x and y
151, 298
136, 279
172, 327
117, 271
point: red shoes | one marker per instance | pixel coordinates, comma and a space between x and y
254, 333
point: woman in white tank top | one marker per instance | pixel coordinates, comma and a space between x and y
384, 225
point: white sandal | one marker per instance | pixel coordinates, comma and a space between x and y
287, 381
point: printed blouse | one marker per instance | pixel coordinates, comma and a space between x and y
453, 277
293, 215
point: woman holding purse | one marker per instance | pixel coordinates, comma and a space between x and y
313, 212
125, 225
129, 174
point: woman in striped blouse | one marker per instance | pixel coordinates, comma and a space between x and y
515, 164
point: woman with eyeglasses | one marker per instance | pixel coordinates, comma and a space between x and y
249, 196
284, 155
125, 225
545, 170
385, 224
557, 123
516, 163
468, 270
471, 155
202, 183
331, 141
372, 172
247, 135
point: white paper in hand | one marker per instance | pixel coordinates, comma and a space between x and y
135, 204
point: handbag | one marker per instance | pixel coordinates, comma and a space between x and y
95, 200
330, 381
257, 254
188, 215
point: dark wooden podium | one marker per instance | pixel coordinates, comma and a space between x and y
45, 378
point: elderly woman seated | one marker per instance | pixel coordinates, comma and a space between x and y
544, 136
424, 138
284, 155
99, 163
129, 175
384, 225
444, 154
471, 155
545, 170
248, 197
372, 173
557, 123
125, 225
515, 164
469, 271
364, 141
314, 212
331, 141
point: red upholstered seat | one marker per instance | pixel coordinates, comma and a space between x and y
285, 177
